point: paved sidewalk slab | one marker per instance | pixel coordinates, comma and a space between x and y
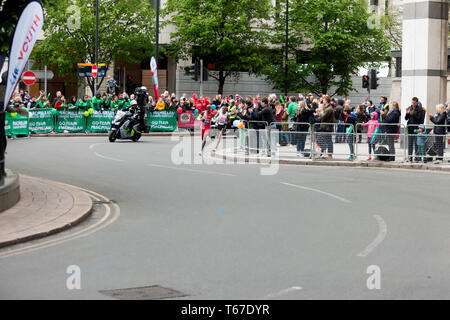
45, 207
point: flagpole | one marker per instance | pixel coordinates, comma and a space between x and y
96, 44
157, 33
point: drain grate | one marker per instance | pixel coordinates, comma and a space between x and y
143, 293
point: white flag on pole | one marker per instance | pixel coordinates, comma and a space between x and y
27, 30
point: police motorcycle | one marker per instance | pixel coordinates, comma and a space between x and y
125, 125
129, 124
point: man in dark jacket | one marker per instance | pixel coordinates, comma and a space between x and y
350, 127
391, 119
251, 117
340, 119
415, 115
440, 130
266, 115
327, 121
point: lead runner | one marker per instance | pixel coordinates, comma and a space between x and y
206, 117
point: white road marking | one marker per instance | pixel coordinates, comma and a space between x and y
93, 145
191, 170
318, 191
282, 292
102, 156
108, 158
380, 237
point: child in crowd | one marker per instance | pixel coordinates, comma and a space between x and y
373, 126
421, 142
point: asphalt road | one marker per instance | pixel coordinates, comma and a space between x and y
228, 232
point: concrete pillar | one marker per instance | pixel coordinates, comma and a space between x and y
424, 53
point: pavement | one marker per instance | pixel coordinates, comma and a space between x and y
214, 230
45, 207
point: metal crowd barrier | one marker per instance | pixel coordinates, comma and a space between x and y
258, 137
429, 147
383, 146
289, 143
325, 148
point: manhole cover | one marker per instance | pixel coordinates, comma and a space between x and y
143, 293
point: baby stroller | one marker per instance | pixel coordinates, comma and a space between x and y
431, 149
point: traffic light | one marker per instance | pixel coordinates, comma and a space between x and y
195, 69
365, 82
373, 79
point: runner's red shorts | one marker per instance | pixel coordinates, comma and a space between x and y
205, 131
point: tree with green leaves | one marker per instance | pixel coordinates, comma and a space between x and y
333, 39
275, 70
393, 24
9, 15
231, 34
126, 32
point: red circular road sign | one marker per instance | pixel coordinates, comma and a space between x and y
94, 71
29, 78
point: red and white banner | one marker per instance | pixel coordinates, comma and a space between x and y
154, 69
27, 30
188, 120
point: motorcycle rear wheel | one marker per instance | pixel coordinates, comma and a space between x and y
136, 136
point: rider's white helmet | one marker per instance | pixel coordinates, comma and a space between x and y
133, 103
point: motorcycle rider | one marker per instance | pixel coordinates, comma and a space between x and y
142, 98
137, 116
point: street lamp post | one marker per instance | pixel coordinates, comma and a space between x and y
286, 50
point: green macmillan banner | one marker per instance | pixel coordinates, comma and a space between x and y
17, 125
162, 120
70, 121
100, 122
41, 121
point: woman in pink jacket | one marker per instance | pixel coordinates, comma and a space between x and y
373, 127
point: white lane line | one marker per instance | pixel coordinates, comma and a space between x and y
191, 170
102, 156
108, 158
93, 145
282, 292
318, 191
380, 237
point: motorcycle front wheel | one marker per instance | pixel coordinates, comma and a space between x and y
112, 136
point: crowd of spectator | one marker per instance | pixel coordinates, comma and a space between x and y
332, 117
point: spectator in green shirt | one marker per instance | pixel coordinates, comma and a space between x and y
72, 105
126, 101
114, 105
97, 101
106, 100
42, 103
83, 104
292, 108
